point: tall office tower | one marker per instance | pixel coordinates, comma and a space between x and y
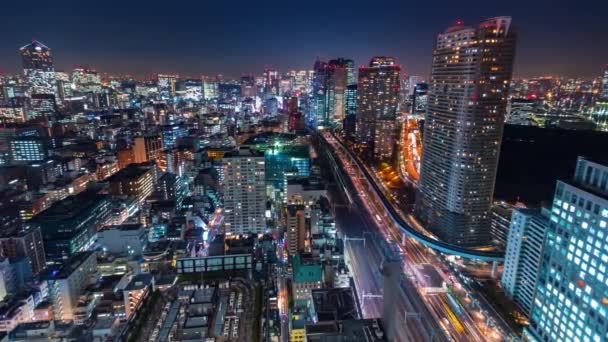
318, 115
604, 91
571, 297
411, 82
166, 86
467, 99
296, 228
64, 84
377, 99
248, 86
210, 88
42, 105
38, 68
350, 100
86, 80
420, 99
302, 80
339, 71
147, 148
271, 82
244, 192
523, 255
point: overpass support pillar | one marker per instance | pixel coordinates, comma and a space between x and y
494, 269
403, 239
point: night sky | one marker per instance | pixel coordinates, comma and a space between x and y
233, 37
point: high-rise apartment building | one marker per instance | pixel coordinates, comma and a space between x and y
571, 298
467, 99
377, 100
523, 255
244, 190
295, 228
38, 68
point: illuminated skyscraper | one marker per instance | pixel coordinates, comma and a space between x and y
350, 100
571, 298
271, 82
467, 99
210, 88
244, 192
377, 99
318, 107
86, 80
340, 71
38, 68
604, 92
166, 86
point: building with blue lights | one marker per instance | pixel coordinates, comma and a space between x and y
571, 300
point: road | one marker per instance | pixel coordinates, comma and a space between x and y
364, 261
465, 324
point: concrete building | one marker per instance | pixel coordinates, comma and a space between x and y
467, 100
296, 228
523, 255
377, 101
66, 283
125, 239
137, 290
24, 241
147, 148
244, 191
307, 276
135, 180
70, 225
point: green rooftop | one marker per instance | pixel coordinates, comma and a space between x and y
306, 273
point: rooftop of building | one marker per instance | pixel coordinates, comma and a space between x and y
124, 227
335, 304
269, 137
129, 172
70, 206
243, 152
361, 330
140, 281
306, 271
65, 269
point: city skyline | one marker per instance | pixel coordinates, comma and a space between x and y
194, 40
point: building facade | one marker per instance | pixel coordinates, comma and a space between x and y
523, 255
244, 192
467, 100
377, 101
571, 300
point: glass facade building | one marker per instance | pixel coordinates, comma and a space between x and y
571, 300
